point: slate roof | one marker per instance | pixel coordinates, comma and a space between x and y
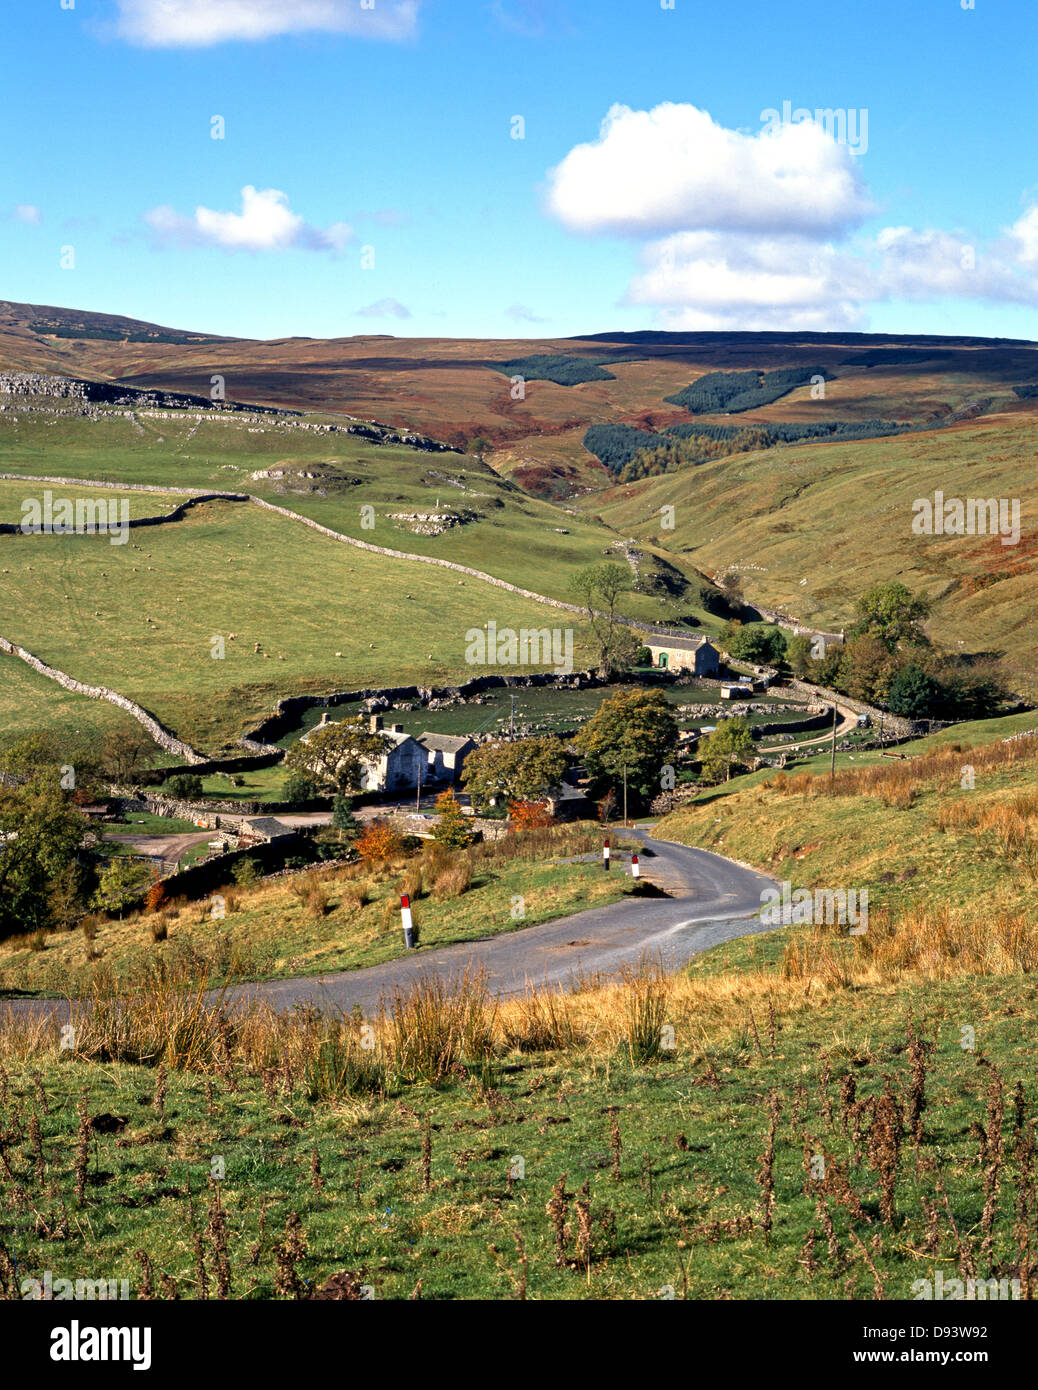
443, 743
268, 827
688, 644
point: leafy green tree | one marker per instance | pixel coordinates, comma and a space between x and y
122, 883
867, 669
730, 745
41, 834
125, 754
634, 730
526, 769
913, 693
246, 872
452, 829
894, 614
970, 689
799, 656
764, 646
183, 786
333, 757
599, 589
298, 789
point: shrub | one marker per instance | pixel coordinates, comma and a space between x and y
245, 873
156, 895
355, 895
183, 786
452, 829
379, 842
529, 815
452, 882
317, 901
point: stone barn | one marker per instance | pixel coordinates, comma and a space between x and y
697, 655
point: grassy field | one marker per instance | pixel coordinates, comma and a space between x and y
30, 702
798, 1114
327, 919
329, 478
141, 617
537, 1167
810, 528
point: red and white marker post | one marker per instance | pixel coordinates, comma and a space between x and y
405, 915
635, 871
605, 855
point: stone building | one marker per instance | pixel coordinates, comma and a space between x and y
446, 754
697, 655
400, 766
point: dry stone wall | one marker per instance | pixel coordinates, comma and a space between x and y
158, 731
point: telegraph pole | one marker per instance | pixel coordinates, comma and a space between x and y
832, 754
625, 796
511, 719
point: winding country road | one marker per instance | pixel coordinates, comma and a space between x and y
712, 899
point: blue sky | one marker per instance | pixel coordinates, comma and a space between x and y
386, 135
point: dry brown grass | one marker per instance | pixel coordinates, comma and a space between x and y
895, 783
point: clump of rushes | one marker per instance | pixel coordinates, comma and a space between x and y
645, 1010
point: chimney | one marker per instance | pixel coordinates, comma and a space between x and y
398, 728
324, 718
376, 723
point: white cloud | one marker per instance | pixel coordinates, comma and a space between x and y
739, 280
706, 280
523, 315
1023, 237
762, 231
931, 263
28, 213
675, 169
265, 223
198, 23
384, 309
